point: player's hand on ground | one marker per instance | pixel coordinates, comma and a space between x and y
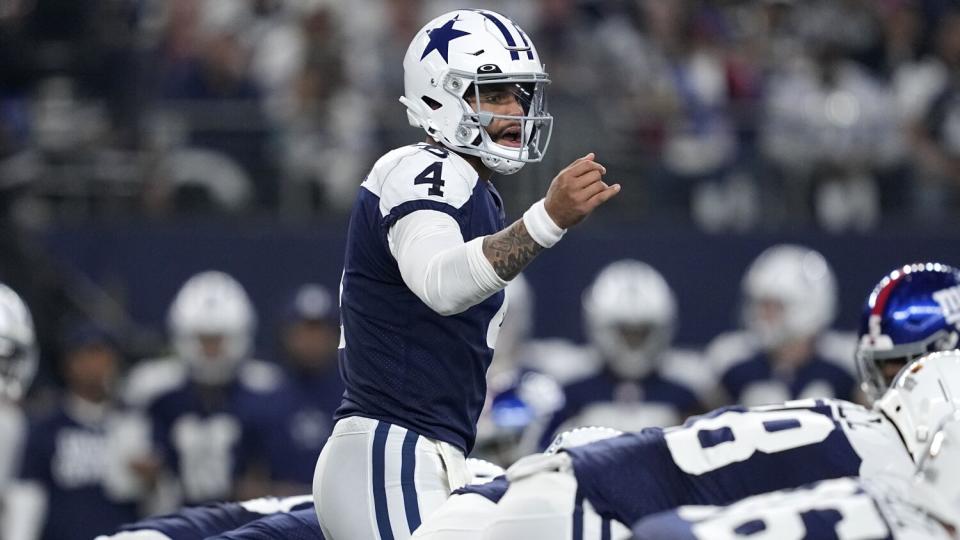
577, 190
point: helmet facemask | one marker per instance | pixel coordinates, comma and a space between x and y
526, 136
17, 367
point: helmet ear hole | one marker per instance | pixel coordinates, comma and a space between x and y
432, 103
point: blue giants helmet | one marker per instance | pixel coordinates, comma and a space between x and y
914, 310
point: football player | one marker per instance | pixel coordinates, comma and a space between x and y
717, 458
426, 260
62, 491
18, 364
889, 506
914, 310
207, 428
786, 351
630, 314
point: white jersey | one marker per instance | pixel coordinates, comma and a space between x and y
841, 509
13, 428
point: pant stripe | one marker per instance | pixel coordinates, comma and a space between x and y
578, 516
378, 459
605, 531
408, 464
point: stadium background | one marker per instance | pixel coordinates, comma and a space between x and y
142, 141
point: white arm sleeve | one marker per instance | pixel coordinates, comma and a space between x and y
25, 510
449, 275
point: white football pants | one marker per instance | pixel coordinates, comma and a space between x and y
379, 481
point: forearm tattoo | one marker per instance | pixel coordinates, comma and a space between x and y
510, 250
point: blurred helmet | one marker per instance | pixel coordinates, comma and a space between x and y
921, 397
458, 55
937, 483
18, 346
313, 302
914, 310
212, 323
789, 292
631, 314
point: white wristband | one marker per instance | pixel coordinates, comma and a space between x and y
541, 226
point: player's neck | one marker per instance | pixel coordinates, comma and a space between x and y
474, 161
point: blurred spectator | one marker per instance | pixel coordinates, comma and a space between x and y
786, 350
930, 95
62, 492
641, 381
830, 128
312, 391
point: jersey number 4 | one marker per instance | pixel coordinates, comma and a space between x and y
431, 175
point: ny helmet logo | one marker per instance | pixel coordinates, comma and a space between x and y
949, 300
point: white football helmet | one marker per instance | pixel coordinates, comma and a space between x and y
212, 305
630, 313
800, 283
937, 483
924, 393
18, 346
464, 51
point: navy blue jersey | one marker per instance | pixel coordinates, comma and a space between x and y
66, 456
493, 490
296, 525
200, 522
210, 436
733, 453
403, 363
829, 510
749, 377
604, 400
303, 418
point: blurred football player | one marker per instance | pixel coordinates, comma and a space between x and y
426, 260
208, 427
786, 351
61, 492
311, 391
18, 364
717, 458
892, 505
631, 314
914, 310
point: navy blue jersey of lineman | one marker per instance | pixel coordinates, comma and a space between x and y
714, 459
66, 457
200, 522
604, 387
401, 362
758, 368
295, 525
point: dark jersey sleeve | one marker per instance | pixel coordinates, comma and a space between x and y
296, 525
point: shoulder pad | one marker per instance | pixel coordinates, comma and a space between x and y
259, 376
151, 378
838, 348
727, 350
581, 436
421, 173
687, 368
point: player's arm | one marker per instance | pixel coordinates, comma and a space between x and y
572, 196
450, 275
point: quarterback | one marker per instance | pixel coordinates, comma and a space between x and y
426, 260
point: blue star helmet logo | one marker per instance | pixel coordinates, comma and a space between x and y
440, 39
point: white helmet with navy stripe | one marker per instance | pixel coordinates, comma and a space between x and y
463, 51
18, 346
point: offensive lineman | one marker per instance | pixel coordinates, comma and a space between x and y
426, 260
717, 458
